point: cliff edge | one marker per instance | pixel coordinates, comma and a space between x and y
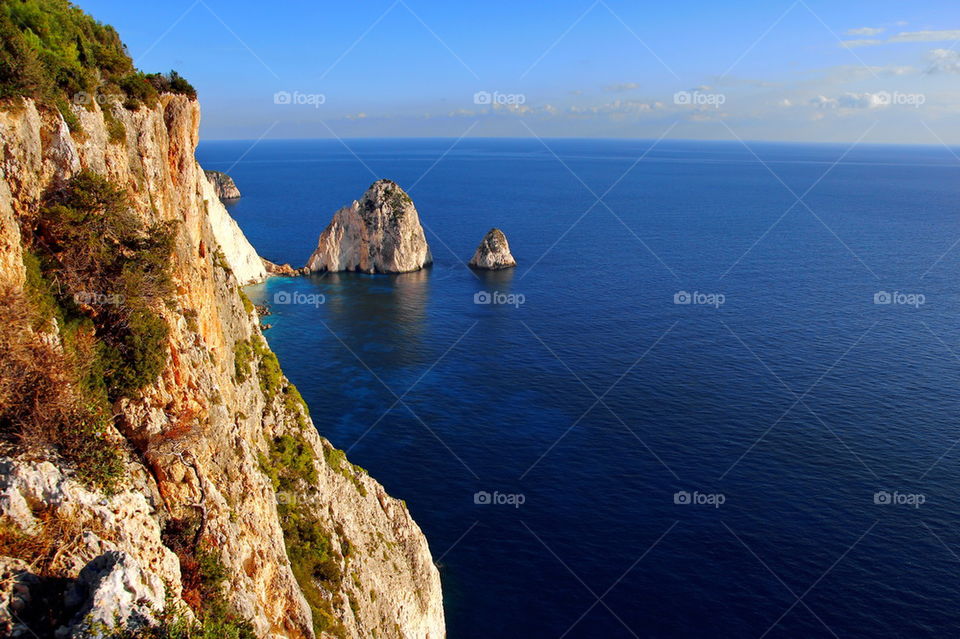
156, 466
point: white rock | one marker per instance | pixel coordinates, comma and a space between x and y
380, 233
246, 265
493, 253
114, 591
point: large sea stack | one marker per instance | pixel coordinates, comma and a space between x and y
493, 253
380, 233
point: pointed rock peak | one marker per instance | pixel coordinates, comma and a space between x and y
493, 253
386, 193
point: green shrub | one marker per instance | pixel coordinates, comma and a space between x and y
242, 358
92, 243
295, 406
116, 132
290, 460
268, 369
171, 82
315, 563
247, 304
138, 89
337, 460
52, 397
51, 49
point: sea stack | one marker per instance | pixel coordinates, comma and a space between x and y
493, 253
380, 233
223, 184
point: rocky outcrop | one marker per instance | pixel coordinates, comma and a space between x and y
493, 253
223, 185
283, 270
380, 233
111, 592
199, 442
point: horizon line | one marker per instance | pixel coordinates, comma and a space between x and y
946, 146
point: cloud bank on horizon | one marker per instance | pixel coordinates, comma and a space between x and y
798, 70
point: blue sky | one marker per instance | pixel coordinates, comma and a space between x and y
810, 70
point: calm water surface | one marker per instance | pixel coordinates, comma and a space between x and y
599, 399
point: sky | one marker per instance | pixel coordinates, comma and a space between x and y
870, 71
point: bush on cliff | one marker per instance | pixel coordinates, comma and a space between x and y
113, 269
51, 49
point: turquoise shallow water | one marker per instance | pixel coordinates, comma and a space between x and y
799, 402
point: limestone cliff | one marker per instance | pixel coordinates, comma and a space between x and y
223, 185
380, 233
225, 487
493, 253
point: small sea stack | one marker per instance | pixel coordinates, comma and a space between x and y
493, 254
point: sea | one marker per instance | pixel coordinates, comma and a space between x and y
719, 396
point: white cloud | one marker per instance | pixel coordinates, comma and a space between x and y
926, 36
853, 101
944, 60
866, 31
623, 86
617, 107
908, 36
853, 44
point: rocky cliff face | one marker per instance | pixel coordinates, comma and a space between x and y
221, 463
223, 185
380, 233
493, 253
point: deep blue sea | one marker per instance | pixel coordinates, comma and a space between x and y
809, 434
